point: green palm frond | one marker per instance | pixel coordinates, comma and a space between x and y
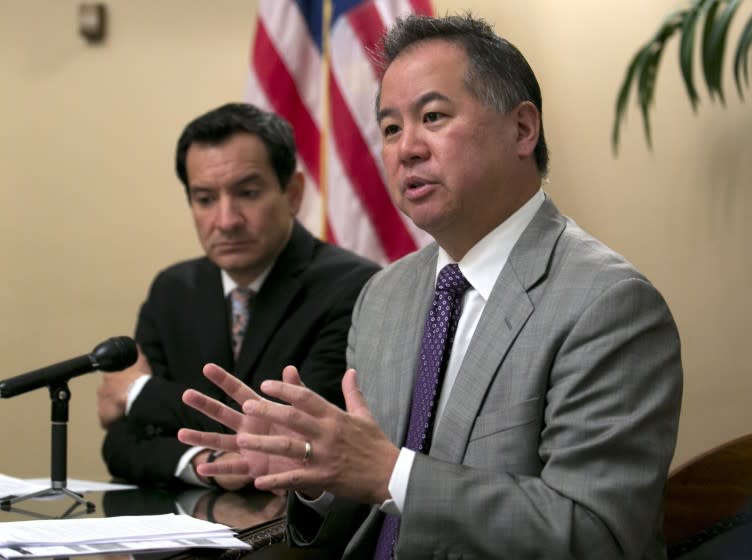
642, 71
741, 58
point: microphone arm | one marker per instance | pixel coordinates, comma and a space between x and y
113, 354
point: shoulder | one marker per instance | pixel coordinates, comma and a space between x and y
555, 248
336, 259
579, 254
578, 272
407, 273
185, 274
308, 257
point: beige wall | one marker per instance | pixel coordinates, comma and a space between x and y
90, 208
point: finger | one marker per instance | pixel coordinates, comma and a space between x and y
273, 445
355, 403
213, 409
282, 415
237, 466
211, 440
297, 479
230, 385
299, 396
291, 375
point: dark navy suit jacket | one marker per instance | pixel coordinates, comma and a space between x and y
300, 316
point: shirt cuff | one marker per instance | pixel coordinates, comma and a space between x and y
134, 390
397, 488
185, 471
398, 482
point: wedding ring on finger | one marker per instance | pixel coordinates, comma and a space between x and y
308, 452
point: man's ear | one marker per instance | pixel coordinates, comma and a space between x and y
528, 128
294, 192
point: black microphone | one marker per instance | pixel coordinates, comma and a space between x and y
113, 354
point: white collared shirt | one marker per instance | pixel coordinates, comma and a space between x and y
228, 284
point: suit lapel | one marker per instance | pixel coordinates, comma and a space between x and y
271, 304
505, 314
411, 300
209, 315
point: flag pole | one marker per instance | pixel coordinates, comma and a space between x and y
326, 18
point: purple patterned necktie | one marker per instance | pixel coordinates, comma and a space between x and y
438, 336
239, 298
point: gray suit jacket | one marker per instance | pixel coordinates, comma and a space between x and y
559, 430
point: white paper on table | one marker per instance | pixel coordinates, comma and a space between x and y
32, 551
81, 486
107, 529
11, 486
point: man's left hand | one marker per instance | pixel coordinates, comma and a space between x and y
112, 394
348, 453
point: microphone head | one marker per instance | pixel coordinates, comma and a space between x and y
114, 354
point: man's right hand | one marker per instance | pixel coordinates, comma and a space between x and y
112, 394
249, 464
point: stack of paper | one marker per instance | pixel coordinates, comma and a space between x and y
126, 534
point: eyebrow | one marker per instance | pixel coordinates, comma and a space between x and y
252, 177
420, 102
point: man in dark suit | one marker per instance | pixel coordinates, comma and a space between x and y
238, 166
518, 382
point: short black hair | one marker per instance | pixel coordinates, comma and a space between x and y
498, 74
218, 125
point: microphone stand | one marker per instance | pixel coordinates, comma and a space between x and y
59, 395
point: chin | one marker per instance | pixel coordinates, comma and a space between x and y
234, 264
427, 222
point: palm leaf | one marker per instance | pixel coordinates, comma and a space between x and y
644, 68
623, 97
707, 62
741, 58
714, 45
646, 86
686, 50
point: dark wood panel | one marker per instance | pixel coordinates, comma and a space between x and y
710, 489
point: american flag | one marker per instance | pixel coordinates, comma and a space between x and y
312, 62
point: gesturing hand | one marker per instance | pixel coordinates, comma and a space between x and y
249, 463
350, 455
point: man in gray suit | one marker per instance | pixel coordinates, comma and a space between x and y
554, 422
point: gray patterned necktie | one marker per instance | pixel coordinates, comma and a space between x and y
435, 347
239, 298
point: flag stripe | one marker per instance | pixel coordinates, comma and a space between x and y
272, 74
287, 67
366, 180
368, 26
422, 7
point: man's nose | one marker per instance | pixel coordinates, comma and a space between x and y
230, 216
412, 145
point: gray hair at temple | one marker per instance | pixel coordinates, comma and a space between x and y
498, 75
